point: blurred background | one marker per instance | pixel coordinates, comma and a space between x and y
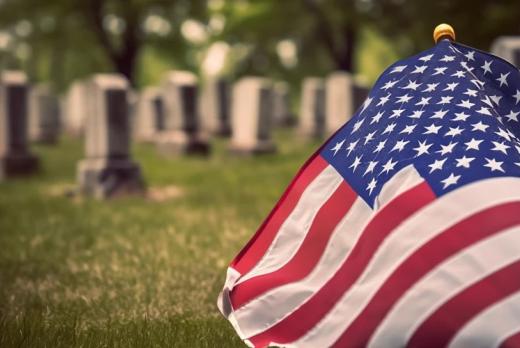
63, 40
146, 269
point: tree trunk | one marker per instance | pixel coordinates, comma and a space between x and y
123, 59
125, 64
344, 58
341, 53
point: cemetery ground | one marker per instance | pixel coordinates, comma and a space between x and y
132, 271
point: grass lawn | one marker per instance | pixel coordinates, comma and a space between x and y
133, 271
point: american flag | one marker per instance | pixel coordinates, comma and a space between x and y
404, 228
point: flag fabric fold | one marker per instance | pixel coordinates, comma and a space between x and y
403, 229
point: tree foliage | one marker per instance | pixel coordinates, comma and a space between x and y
60, 40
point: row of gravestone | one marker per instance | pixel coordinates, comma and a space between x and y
178, 120
168, 115
99, 108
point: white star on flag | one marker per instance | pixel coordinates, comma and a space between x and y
503, 79
439, 71
422, 148
388, 166
464, 161
494, 164
412, 85
446, 149
370, 167
517, 96
356, 163
431, 87
512, 116
432, 129
337, 147
419, 69
479, 126
447, 59
473, 144
450, 180
437, 165
399, 146
461, 116
398, 69
487, 67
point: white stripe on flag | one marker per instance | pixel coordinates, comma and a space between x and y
492, 325
402, 181
224, 302
442, 283
295, 227
401, 243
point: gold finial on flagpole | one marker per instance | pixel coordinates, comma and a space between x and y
443, 31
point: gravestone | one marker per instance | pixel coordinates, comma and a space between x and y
251, 116
508, 48
15, 158
108, 170
343, 96
183, 133
312, 108
282, 105
148, 119
214, 106
44, 115
132, 98
74, 113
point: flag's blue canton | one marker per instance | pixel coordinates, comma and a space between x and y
452, 112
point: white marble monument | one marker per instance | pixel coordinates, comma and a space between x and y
282, 115
108, 170
508, 48
148, 119
183, 133
312, 108
74, 112
44, 115
343, 96
251, 116
215, 106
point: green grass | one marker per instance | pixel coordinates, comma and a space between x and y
132, 271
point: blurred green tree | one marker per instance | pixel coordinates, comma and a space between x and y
325, 32
100, 34
477, 22
61, 40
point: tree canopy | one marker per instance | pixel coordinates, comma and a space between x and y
61, 40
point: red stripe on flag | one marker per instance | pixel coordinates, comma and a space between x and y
387, 219
440, 328
258, 245
451, 241
511, 341
309, 253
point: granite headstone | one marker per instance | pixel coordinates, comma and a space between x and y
44, 115
508, 48
251, 116
148, 119
108, 170
183, 133
312, 108
15, 157
215, 106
